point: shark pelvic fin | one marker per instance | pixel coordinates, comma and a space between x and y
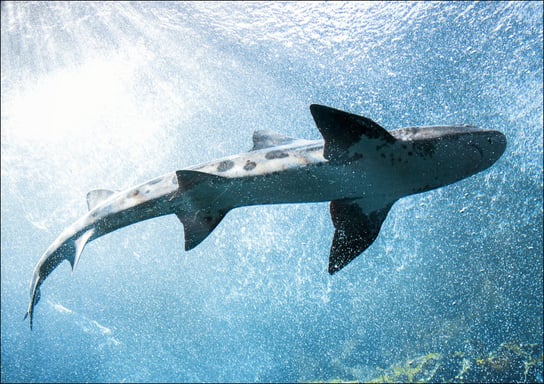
355, 231
202, 207
348, 136
197, 227
267, 139
79, 244
97, 197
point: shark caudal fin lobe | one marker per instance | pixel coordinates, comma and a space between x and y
70, 250
355, 231
35, 298
348, 136
200, 204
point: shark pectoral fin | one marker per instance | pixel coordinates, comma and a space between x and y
348, 136
97, 197
355, 231
79, 244
201, 205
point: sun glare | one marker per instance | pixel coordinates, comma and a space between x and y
93, 99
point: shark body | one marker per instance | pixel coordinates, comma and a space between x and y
359, 167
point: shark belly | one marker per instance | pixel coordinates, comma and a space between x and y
298, 175
317, 183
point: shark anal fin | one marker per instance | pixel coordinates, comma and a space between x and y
97, 197
199, 205
347, 135
355, 231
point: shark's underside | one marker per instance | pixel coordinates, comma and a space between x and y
359, 167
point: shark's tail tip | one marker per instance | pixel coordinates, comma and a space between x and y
27, 314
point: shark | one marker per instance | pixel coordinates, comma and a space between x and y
359, 167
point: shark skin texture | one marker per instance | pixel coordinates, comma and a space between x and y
359, 167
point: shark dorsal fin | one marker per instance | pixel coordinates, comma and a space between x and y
97, 197
347, 135
355, 230
267, 139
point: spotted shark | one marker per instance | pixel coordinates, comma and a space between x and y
359, 167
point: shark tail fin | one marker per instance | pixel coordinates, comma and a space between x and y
200, 204
70, 250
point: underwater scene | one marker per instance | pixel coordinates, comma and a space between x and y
111, 95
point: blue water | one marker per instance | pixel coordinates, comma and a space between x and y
108, 95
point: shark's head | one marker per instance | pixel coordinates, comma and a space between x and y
490, 144
478, 148
452, 153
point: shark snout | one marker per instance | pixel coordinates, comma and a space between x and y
492, 145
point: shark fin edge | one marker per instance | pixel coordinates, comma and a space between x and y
198, 227
202, 205
97, 197
79, 244
342, 131
355, 231
267, 139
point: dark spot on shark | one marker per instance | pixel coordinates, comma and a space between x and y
404, 146
250, 165
225, 165
132, 194
277, 154
410, 153
383, 155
